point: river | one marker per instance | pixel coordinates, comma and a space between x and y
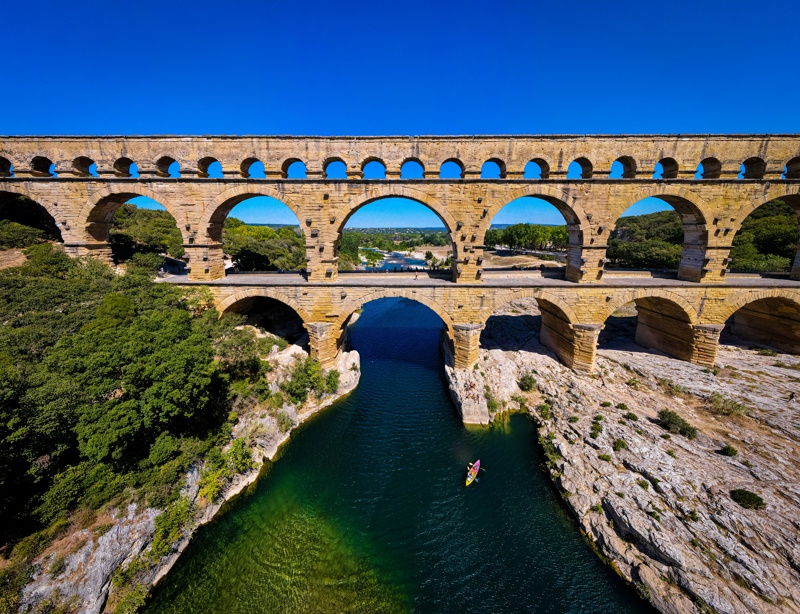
367, 511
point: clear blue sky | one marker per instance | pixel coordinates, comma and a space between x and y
399, 68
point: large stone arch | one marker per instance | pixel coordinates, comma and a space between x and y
632, 296
101, 205
728, 308
217, 210
375, 192
43, 208
694, 212
23, 189
350, 307
535, 293
248, 293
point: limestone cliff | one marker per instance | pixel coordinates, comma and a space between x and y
657, 505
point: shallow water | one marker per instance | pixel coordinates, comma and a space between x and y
367, 509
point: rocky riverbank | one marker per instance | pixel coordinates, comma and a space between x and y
657, 504
76, 572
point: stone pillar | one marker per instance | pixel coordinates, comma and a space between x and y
584, 350
585, 262
324, 342
322, 262
204, 262
466, 345
705, 343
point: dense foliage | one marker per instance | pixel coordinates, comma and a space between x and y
528, 236
135, 230
109, 386
261, 248
767, 240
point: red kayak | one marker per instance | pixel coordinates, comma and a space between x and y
473, 472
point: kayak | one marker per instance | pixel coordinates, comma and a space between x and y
472, 473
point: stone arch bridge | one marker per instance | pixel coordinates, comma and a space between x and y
81, 181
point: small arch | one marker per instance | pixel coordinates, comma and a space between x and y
123, 167
373, 168
42, 167
209, 168
654, 320
335, 168
768, 320
580, 168
6, 170
753, 168
709, 168
293, 168
271, 311
493, 168
792, 169
252, 168
537, 168
623, 167
451, 169
168, 167
666, 168
412, 169
84, 166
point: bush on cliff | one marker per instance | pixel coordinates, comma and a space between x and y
748, 500
675, 424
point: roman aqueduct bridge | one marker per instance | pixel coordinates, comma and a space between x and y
682, 316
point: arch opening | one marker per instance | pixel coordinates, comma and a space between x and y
752, 168
536, 169
374, 169
272, 318
773, 322
493, 169
792, 170
258, 233
664, 233
293, 169
709, 168
666, 168
394, 234
168, 167
6, 168
451, 169
24, 222
132, 224
43, 167
649, 323
579, 168
531, 233
253, 168
623, 167
335, 169
412, 169
85, 167
209, 168
125, 167
768, 239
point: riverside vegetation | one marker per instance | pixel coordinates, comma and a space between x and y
114, 388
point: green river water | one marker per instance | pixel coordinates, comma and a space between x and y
367, 511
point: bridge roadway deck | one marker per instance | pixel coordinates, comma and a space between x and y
681, 318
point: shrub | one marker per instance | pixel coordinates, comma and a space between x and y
332, 381
573, 419
729, 450
605, 404
748, 500
671, 453
631, 416
597, 508
527, 382
544, 411
643, 484
783, 365
634, 383
619, 444
285, 421
597, 418
693, 516
727, 407
764, 351
57, 566
596, 430
170, 526
675, 424
622, 406
550, 452
671, 387
604, 457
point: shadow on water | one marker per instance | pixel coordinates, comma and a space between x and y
367, 509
